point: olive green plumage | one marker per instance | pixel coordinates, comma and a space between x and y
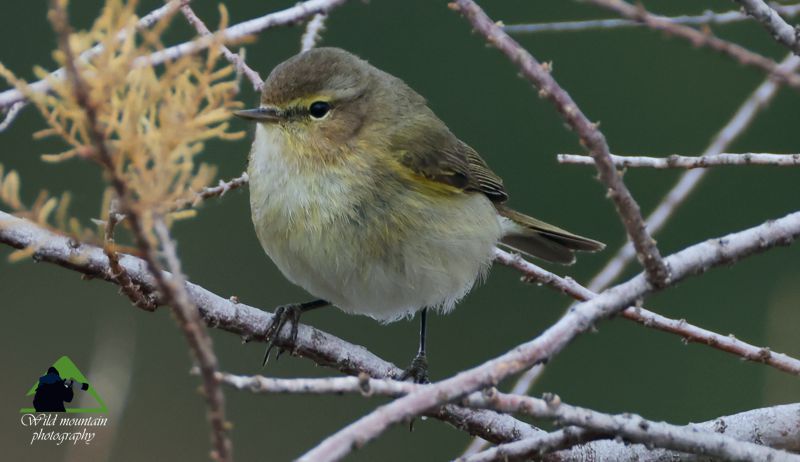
418, 139
361, 195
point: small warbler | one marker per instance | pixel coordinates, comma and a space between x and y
361, 195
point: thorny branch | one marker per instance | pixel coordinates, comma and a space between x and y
751, 107
688, 332
590, 135
234, 59
689, 162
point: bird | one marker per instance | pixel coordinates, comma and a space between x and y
363, 197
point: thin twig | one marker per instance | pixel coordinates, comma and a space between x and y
248, 322
289, 16
171, 288
687, 183
522, 386
580, 318
707, 17
677, 161
537, 446
12, 114
13, 97
700, 39
591, 137
313, 32
222, 188
116, 272
687, 331
193, 327
772, 21
234, 58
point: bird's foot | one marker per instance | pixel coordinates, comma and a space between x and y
418, 370
285, 313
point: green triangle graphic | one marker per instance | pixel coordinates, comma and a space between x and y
68, 370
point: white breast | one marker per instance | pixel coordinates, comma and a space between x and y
306, 222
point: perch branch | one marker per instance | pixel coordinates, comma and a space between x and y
693, 260
689, 162
687, 183
591, 137
707, 17
700, 39
595, 425
248, 322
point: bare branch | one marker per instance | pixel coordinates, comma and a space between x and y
116, 272
597, 425
11, 115
689, 162
248, 322
222, 188
12, 98
232, 57
522, 386
192, 325
746, 436
780, 30
313, 32
535, 447
689, 332
757, 101
691, 261
234, 33
590, 136
707, 17
700, 39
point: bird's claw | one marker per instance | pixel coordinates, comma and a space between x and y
283, 314
418, 370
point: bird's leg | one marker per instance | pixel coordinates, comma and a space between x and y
418, 370
288, 313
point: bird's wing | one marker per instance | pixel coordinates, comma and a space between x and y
436, 154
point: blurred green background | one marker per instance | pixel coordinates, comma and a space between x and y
653, 95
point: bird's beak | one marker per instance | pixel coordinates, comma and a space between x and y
259, 114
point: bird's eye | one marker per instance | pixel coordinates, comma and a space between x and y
319, 109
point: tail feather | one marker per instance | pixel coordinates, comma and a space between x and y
539, 239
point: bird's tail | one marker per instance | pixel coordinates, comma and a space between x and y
539, 239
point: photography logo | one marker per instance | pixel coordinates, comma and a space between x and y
49, 419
